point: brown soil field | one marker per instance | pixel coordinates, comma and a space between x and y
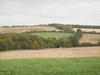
52, 53
87, 30
92, 38
24, 29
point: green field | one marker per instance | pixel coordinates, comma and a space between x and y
55, 35
51, 66
95, 39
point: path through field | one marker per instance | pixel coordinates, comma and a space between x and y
52, 53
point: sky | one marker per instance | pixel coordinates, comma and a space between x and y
33, 12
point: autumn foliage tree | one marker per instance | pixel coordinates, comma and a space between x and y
65, 28
19, 41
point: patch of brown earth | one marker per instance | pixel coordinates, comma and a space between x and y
52, 53
92, 38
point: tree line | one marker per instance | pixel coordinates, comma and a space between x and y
20, 41
85, 26
69, 27
76, 26
57, 24
62, 27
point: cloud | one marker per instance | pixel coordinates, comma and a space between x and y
14, 12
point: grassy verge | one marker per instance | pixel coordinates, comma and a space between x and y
51, 66
55, 35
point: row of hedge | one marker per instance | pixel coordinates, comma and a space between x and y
20, 41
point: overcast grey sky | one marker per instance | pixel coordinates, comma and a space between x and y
31, 12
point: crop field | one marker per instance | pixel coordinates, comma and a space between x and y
53, 61
91, 38
55, 35
87, 30
51, 66
52, 53
24, 29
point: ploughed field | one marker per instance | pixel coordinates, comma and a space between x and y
24, 29
52, 53
87, 30
55, 35
91, 38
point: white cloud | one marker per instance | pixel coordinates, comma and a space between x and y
49, 11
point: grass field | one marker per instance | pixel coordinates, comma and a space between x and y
56, 35
51, 66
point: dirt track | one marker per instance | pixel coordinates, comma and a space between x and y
52, 53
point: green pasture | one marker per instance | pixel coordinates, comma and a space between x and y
51, 66
95, 39
55, 35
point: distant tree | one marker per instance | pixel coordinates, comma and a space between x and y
69, 29
65, 28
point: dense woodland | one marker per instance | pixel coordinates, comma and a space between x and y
57, 25
76, 26
20, 41
69, 28
85, 26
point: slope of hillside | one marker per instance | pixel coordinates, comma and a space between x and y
24, 29
91, 38
52, 53
87, 30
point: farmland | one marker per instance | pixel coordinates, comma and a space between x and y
91, 38
55, 35
52, 53
38, 28
87, 30
50, 61
53, 66
24, 29
34, 59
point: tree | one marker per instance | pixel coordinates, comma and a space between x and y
74, 41
9, 43
35, 45
3, 46
65, 28
64, 42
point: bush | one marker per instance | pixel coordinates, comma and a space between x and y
87, 44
